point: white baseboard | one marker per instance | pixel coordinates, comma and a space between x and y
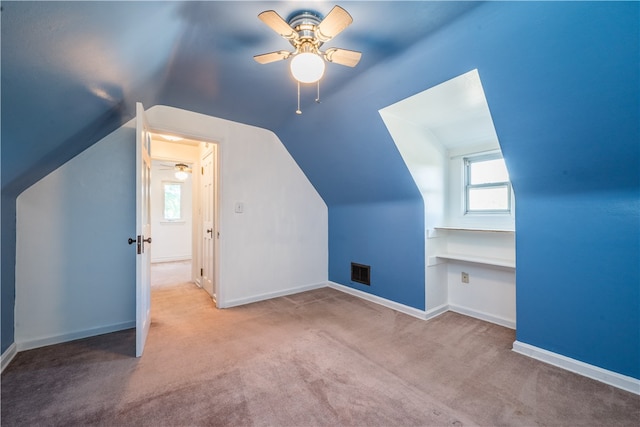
436, 311
269, 295
71, 336
483, 316
8, 356
177, 258
590, 371
411, 311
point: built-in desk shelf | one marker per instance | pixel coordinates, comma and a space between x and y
486, 230
498, 262
470, 244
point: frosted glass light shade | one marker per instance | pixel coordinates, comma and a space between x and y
182, 175
307, 67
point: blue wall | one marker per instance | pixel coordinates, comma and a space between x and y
578, 286
562, 83
387, 237
566, 109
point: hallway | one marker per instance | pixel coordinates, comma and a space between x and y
165, 274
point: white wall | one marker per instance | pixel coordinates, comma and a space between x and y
491, 292
426, 160
437, 172
279, 243
171, 239
75, 272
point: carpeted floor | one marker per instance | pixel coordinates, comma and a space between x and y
319, 358
170, 273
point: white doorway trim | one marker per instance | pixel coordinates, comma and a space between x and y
206, 143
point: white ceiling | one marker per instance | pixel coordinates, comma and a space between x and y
455, 112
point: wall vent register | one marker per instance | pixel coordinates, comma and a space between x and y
361, 273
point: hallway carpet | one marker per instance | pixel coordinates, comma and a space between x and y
319, 358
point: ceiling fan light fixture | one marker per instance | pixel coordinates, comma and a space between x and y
181, 175
307, 67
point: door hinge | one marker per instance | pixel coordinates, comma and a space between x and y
202, 169
202, 272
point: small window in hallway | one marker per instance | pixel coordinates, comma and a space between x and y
172, 201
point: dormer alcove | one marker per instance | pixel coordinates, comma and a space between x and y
469, 249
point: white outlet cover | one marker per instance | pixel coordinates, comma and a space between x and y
239, 207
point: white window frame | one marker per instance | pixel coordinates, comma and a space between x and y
164, 201
467, 161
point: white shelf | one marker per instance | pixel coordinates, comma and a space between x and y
498, 262
487, 230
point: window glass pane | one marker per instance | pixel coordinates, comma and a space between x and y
172, 201
488, 199
488, 171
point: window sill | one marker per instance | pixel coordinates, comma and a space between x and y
178, 221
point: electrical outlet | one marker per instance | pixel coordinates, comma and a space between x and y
465, 277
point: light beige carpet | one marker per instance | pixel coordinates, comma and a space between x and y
170, 273
319, 358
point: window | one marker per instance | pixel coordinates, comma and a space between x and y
172, 201
487, 186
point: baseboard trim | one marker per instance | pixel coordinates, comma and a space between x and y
483, 316
614, 379
8, 356
436, 311
72, 336
411, 311
269, 295
160, 260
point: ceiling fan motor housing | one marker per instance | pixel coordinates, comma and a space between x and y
305, 24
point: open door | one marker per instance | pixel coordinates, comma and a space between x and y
143, 229
208, 226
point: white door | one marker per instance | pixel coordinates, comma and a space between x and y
143, 229
208, 223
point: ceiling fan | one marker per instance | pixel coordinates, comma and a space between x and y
307, 31
182, 170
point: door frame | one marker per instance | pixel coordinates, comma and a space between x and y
204, 153
143, 228
194, 183
197, 215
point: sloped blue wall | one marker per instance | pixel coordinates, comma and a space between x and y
566, 108
562, 83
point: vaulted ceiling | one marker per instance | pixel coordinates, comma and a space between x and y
72, 71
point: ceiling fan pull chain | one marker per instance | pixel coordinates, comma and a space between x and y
298, 111
318, 97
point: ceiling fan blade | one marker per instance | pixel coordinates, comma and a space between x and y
336, 20
266, 58
277, 24
350, 58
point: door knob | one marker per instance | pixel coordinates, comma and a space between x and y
148, 240
131, 241
210, 230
